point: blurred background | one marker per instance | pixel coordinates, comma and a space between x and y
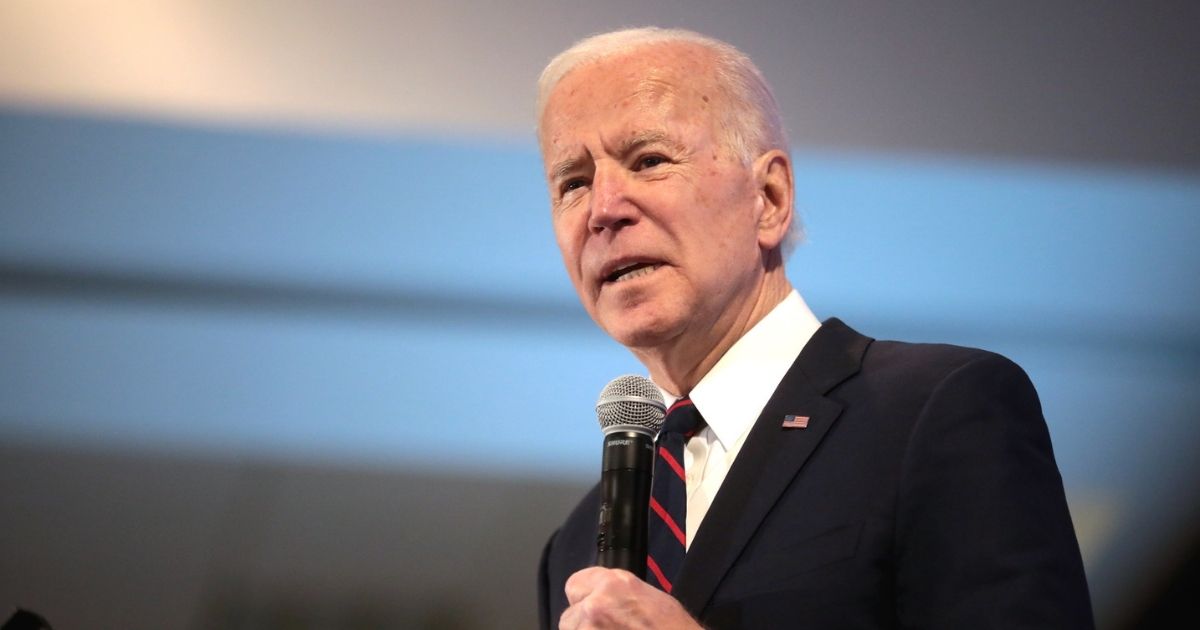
285, 341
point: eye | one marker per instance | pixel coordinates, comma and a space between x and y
573, 184
649, 161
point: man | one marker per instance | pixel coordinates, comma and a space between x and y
837, 481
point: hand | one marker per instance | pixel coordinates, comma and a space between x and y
602, 598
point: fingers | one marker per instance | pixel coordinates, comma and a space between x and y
613, 598
595, 596
584, 582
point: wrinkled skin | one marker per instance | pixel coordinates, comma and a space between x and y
639, 173
641, 179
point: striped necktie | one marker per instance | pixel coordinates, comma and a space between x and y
668, 495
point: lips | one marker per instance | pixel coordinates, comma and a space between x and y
625, 270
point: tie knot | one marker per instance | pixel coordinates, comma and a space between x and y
683, 418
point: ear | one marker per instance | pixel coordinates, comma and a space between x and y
773, 181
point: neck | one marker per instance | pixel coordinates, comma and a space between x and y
679, 365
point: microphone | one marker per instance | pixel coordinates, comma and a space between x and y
630, 411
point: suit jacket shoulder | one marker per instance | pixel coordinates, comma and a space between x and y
923, 492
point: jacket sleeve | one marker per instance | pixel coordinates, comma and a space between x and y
983, 535
543, 587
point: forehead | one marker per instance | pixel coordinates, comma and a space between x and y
676, 65
659, 80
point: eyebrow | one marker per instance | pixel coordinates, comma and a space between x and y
565, 167
643, 138
628, 145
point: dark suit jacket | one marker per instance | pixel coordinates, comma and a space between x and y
922, 494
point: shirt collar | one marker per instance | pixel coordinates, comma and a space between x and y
733, 393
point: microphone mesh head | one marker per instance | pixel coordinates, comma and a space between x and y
631, 402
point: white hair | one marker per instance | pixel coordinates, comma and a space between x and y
751, 123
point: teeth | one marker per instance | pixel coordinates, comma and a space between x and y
636, 273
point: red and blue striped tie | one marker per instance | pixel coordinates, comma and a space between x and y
668, 495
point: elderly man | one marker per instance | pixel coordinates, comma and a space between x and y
834, 480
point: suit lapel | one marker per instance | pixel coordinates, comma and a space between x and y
770, 459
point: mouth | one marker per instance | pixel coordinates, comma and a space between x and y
623, 272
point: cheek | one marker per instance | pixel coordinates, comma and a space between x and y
729, 228
570, 245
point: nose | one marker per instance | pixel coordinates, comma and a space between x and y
611, 208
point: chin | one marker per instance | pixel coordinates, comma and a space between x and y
639, 331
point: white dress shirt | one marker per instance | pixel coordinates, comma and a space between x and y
732, 395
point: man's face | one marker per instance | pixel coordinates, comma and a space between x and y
656, 219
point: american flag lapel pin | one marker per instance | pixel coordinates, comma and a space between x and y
795, 422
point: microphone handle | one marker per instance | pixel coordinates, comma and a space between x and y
626, 468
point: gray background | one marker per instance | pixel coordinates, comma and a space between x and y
287, 343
